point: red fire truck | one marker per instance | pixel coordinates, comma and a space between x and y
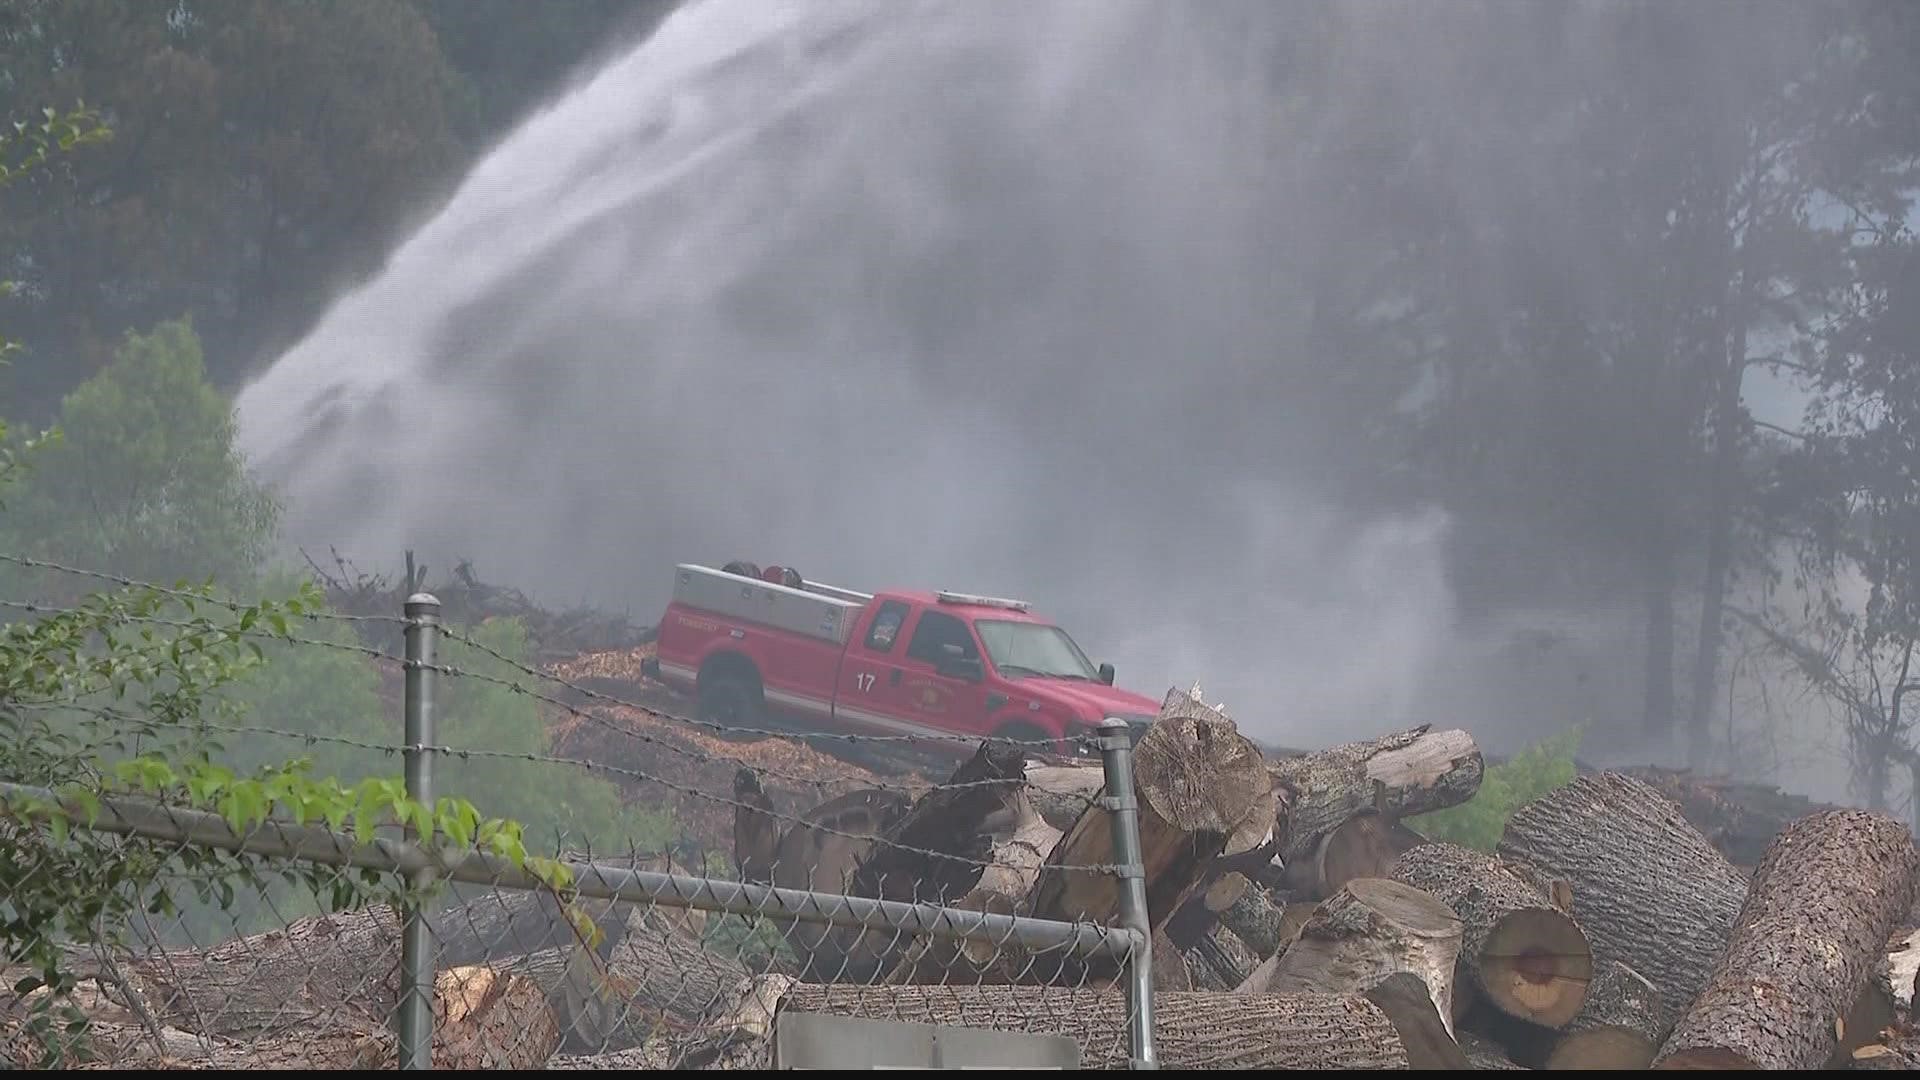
752, 644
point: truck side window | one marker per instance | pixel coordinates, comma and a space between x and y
886, 626
936, 630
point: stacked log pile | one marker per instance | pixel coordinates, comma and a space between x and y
1300, 919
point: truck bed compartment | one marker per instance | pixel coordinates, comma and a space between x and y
794, 610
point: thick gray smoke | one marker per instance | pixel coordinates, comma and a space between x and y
998, 296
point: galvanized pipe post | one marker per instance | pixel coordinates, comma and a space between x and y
416, 941
1116, 755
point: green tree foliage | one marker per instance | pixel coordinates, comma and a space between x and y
145, 478
1504, 789
561, 806
267, 154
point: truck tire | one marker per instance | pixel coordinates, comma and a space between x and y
729, 701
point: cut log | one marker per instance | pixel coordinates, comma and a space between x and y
1369, 930
1192, 1030
1061, 793
1824, 900
936, 852
1526, 957
1366, 847
343, 968
1221, 961
1169, 965
1190, 925
822, 852
1647, 887
482, 1019
756, 831
1395, 776
1013, 867
1408, 1003
1255, 919
1903, 970
1196, 778
1618, 1027
1873, 1012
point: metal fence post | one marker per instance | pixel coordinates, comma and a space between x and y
416, 942
1116, 755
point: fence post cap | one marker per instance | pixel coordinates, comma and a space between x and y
1113, 723
423, 603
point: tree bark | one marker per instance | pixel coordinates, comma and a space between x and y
1395, 776
1061, 793
1648, 888
1367, 931
1815, 925
1526, 957
1255, 919
1221, 961
1618, 1027
1196, 779
1192, 1030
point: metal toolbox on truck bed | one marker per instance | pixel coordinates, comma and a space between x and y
794, 610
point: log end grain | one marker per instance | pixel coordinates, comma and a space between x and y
1536, 966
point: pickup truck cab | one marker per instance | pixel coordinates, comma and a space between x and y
751, 645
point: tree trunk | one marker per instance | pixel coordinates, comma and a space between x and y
1726, 451
1366, 932
1618, 1027
1526, 957
1657, 718
1196, 779
1192, 1030
1196, 918
1395, 776
1648, 888
1815, 925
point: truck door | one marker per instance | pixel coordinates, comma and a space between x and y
933, 699
869, 692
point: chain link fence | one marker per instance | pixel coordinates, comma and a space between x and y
265, 930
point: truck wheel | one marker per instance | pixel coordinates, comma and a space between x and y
1032, 740
729, 702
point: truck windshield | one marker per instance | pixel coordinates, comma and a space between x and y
1021, 649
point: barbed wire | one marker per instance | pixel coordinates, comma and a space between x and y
695, 754
185, 594
465, 753
722, 729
